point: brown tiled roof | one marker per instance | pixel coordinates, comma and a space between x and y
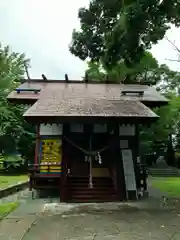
81, 100
39, 84
99, 91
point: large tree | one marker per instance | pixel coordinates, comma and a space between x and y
15, 133
147, 71
115, 30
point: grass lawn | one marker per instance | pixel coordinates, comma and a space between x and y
6, 208
6, 181
169, 185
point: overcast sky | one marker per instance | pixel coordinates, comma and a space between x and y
42, 30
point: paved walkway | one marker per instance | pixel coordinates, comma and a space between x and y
47, 219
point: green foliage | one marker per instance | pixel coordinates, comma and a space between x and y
13, 128
113, 30
6, 208
158, 137
12, 68
169, 186
147, 71
166, 80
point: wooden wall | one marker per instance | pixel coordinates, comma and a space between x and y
121, 156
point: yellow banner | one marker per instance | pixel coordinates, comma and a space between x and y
51, 153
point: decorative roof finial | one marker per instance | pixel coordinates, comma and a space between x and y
86, 78
44, 77
27, 72
66, 77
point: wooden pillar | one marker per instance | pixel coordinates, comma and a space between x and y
141, 177
64, 178
120, 177
137, 142
36, 157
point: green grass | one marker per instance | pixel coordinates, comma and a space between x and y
6, 181
169, 185
6, 208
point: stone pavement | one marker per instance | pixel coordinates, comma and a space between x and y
105, 221
47, 219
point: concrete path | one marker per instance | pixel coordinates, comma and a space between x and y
17, 223
43, 219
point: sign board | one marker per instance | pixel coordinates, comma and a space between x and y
51, 153
51, 129
129, 170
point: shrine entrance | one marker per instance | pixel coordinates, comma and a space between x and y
88, 154
76, 164
92, 161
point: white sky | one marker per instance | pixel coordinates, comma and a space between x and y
42, 30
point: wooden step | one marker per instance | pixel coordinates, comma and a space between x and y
102, 191
103, 188
87, 185
95, 192
87, 181
105, 196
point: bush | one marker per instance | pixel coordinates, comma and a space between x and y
14, 164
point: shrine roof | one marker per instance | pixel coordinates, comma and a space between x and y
76, 89
82, 101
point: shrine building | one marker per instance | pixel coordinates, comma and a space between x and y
87, 141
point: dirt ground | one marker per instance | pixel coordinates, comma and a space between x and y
48, 219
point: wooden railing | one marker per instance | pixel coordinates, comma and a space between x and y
39, 179
37, 168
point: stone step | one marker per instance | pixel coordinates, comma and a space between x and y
163, 172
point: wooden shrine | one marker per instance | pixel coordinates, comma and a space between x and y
87, 144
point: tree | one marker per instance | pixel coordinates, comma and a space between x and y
113, 30
143, 72
13, 128
147, 71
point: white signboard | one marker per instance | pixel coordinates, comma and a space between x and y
129, 170
51, 129
100, 128
127, 130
